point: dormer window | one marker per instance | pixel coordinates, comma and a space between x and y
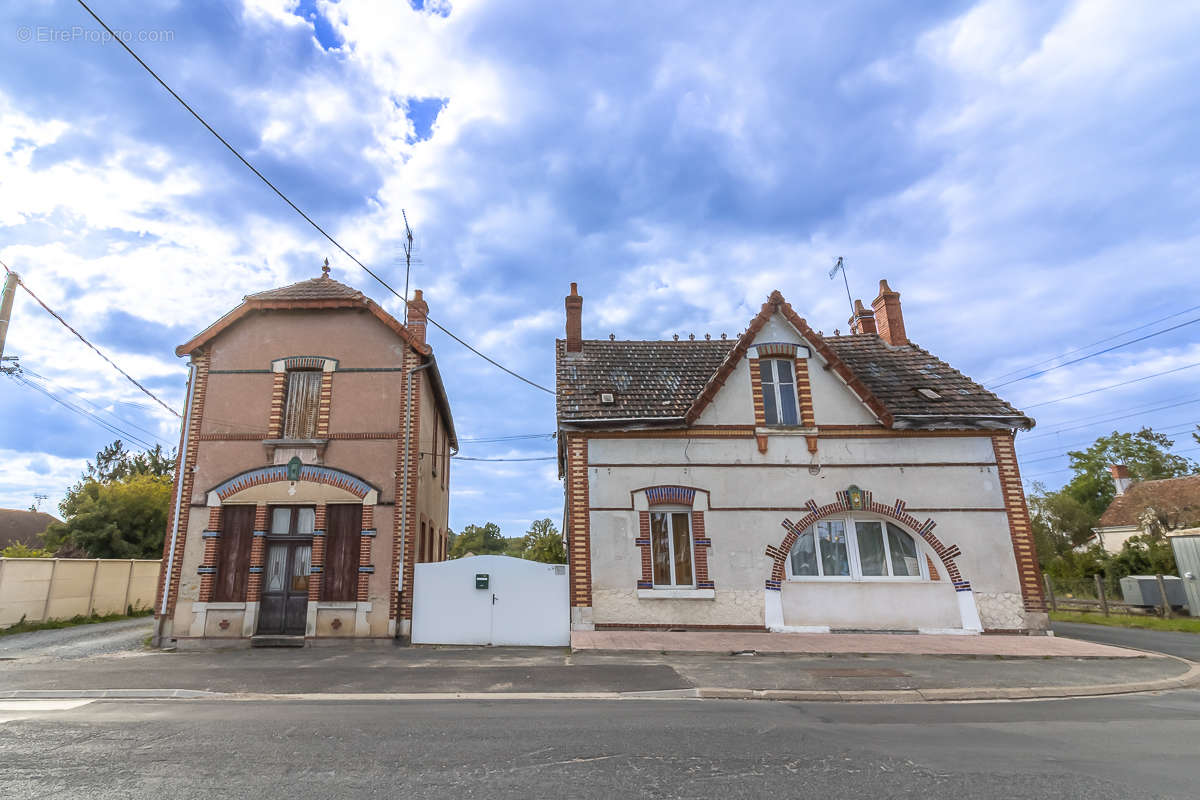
301, 400
779, 392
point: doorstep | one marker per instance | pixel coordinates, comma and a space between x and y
276, 641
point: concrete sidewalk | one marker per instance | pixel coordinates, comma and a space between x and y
844, 643
385, 671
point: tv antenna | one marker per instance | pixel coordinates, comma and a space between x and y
840, 266
37, 500
408, 248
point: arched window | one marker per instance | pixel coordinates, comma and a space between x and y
856, 548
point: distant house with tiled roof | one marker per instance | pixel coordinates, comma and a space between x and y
790, 480
24, 527
1170, 504
314, 474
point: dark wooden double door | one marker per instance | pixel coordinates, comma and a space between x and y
288, 565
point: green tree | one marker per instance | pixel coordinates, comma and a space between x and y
118, 509
481, 540
118, 519
543, 543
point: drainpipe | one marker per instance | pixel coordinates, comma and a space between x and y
404, 499
187, 423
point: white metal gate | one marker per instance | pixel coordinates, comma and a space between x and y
1187, 564
495, 600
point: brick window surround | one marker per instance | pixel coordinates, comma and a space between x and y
843, 505
676, 496
280, 367
798, 355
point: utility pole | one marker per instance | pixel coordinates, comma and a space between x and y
6, 305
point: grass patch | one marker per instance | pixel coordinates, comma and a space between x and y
1180, 624
78, 619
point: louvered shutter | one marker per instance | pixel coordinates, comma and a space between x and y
303, 396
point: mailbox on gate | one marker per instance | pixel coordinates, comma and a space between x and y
481, 580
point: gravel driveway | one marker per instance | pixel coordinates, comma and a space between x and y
79, 641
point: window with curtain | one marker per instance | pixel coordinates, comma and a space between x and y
300, 404
850, 548
779, 391
671, 549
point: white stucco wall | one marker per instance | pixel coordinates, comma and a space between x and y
952, 480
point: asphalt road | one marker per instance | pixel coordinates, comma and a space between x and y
79, 641
1184, 645
1124, 747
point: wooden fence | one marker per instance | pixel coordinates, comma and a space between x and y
1072, 601
38, 589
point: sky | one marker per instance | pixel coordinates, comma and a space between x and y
1025, 174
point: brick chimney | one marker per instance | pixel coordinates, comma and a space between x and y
574, 321
863, 320
1121, 479
888, 319
418, 310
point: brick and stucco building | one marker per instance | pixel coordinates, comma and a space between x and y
788, 480
314, 471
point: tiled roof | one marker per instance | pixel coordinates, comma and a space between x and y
895, 374
647, 379
661, 380
1169, 496
322, 288
22, 526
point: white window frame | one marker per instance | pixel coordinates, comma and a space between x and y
669, 513
773, 387
856, 575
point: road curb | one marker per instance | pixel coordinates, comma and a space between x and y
1189, 679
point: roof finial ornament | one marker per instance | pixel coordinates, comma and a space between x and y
677, 337
325, 269
691, 337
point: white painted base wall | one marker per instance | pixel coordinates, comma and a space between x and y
526, 603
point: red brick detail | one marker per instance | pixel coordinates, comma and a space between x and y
258, 554
933, 573
700, 550
364, 552
1019, 526
189, 447
323, 403
889, 321
760, 413
212, 554
275, 421
804, 394
318, 555
895, 512
406, 523
579, 540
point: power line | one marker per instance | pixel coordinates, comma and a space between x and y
1098, 419
81, 411
1059, 452
1114, 386
1064, 469
1086, 346
119, 40
44, 380
1097, 353
83, 339
535, 458
513, 438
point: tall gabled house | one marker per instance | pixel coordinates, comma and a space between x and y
314, 471
790, 481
